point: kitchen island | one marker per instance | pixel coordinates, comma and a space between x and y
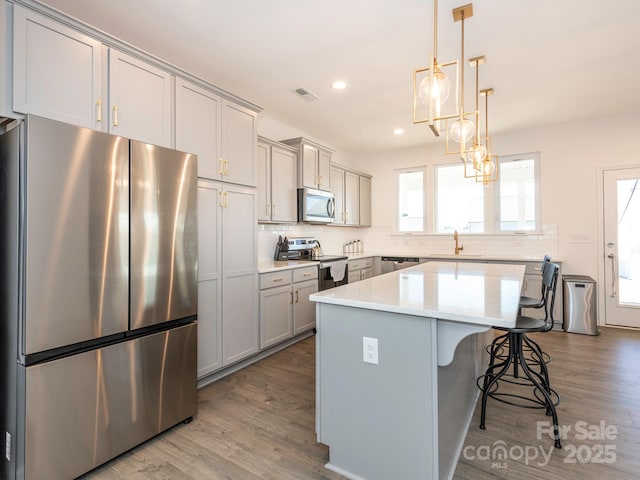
397, 356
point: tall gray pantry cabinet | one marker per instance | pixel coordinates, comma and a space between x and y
224, 137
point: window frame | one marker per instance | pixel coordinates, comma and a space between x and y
492, 221
396, 201
535, 156
487, 219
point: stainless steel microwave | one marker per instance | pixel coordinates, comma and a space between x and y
316, 206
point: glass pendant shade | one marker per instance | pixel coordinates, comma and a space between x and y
437, 91
488, 167
476, 156
462, 131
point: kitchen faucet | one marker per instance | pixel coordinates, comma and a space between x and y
455, 237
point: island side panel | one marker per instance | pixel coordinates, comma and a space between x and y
457, 396
379, 421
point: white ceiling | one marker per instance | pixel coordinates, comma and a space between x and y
549, 61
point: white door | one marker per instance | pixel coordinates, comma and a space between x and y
622, 246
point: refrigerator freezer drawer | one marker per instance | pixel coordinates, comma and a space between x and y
85, 409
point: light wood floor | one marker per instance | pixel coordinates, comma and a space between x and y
259, 422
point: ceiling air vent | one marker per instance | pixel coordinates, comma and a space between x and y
306, 94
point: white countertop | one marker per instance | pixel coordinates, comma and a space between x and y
273, 266
475, 293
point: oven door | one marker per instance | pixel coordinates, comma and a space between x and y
327, 281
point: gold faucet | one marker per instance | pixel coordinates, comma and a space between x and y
455, 237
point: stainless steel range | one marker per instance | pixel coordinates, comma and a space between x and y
334, 269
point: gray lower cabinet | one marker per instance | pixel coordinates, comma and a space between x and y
276, 314
305, 283
285, 309
360, 269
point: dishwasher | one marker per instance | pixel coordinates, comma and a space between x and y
391, 264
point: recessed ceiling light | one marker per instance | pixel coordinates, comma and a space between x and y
398, 131
339, 85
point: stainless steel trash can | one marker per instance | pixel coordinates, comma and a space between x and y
580, 307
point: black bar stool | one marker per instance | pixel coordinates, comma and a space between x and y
535, 371
499, 345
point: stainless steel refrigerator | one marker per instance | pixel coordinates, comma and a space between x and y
99, 296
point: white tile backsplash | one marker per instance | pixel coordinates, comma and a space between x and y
381, 239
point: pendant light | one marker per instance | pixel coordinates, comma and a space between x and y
432, 87
462, 129
473, 157
489, 167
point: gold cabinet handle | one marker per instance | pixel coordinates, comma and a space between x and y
291, 297
273, 209
306, 274
268, 209
98, 111
297, 298
320, 178
220, 166
226, 199
226, 167
279, 279
115, 115
220, 199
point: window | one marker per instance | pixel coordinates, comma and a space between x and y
511, 204
517, 193
459, 201
410, 200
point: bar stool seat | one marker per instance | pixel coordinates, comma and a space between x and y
533, 368
526, 325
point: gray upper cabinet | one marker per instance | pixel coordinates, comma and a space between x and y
239, 136
221, 133
337, 187
352, 192
351, 198
57, 71
365, 201
314, 163
198, 126
277, 183
140, 100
